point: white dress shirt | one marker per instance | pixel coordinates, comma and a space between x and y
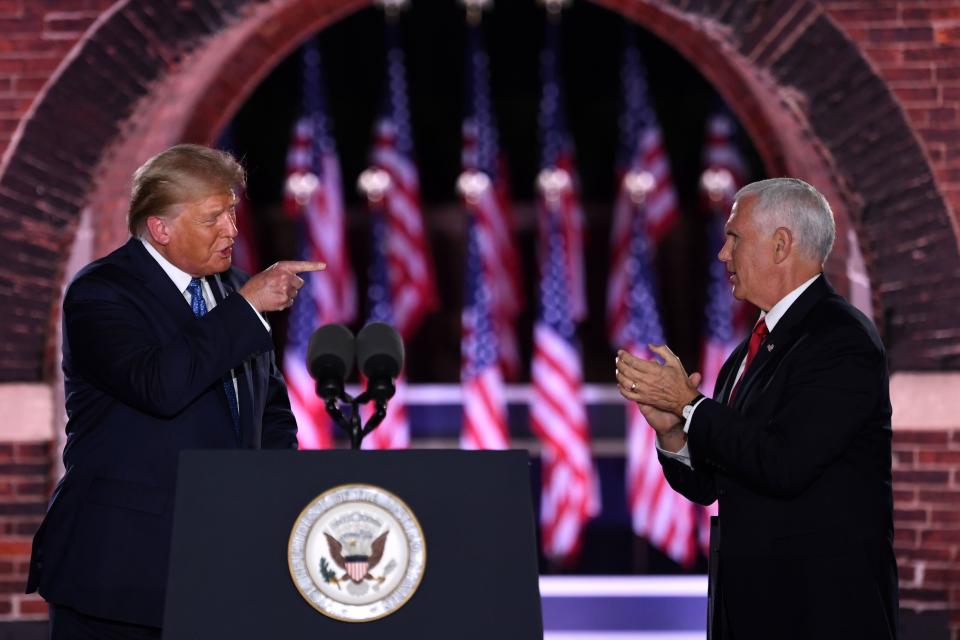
771, 317
181, 279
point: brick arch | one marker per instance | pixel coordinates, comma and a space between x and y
147, 75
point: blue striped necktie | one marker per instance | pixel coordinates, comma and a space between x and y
199, 306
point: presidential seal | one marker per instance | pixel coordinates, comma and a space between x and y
356, 553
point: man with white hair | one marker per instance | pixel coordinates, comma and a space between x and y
796, 443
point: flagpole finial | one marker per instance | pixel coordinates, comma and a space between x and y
301, 185
553, 183
392, 8
718, 184
475, 9
472, 185
373, 184
555, 7
639, 184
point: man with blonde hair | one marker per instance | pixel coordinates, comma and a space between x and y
165, 348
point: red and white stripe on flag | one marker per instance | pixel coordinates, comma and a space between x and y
314, 426
660, 514
501, 262
412, 281
394, 431
558, 416
484, 414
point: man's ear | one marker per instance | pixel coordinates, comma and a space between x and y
159, 230
782, 244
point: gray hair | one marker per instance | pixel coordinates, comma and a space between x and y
797, 206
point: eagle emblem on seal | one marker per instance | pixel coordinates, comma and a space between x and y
355, 557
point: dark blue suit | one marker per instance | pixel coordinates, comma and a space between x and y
800, 462
143, 381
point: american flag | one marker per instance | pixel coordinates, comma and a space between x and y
394, 431
557, 152
723, 174
412, 281
245, 254
558, 416
659, 514
484, 406
314, 198
499, 251
641, 150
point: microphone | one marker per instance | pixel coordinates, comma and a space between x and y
330, 359
380, 356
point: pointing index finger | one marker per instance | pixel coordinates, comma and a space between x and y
300, 266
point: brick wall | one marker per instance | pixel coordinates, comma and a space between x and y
915, 45
926, 494
24, 488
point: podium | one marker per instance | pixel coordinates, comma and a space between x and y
236, 511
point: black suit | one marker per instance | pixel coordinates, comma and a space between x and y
800, 462
143, 382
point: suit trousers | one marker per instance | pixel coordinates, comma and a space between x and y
68, 624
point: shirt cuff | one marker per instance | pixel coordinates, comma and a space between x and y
266, 325
686, 425
683, 455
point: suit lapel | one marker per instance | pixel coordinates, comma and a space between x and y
783, 335
244, 374
728, 374
156, 281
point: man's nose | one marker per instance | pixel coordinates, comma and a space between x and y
230, 227
724, 255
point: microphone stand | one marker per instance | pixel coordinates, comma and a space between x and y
351, 425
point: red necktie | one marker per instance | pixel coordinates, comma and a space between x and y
760, 332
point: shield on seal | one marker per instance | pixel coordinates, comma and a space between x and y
357, 568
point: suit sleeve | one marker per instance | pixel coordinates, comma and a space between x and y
831, 393
697, 484
279, 424
115, 348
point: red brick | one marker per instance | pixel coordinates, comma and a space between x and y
6, 606
924, 595
914, 95
14, 548
919, 437
931, 54
901, 34
6, 567
947, 35
914, 553
926, 14
32, 489
903, 497
936, 576
939, 458
859, 15
940, 536
904, 537
945, 516
884, 56
63, 25
911, 516
33, 607
916, 75
924, 476
907, 573
32, 451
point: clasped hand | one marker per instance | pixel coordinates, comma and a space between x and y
660, 390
